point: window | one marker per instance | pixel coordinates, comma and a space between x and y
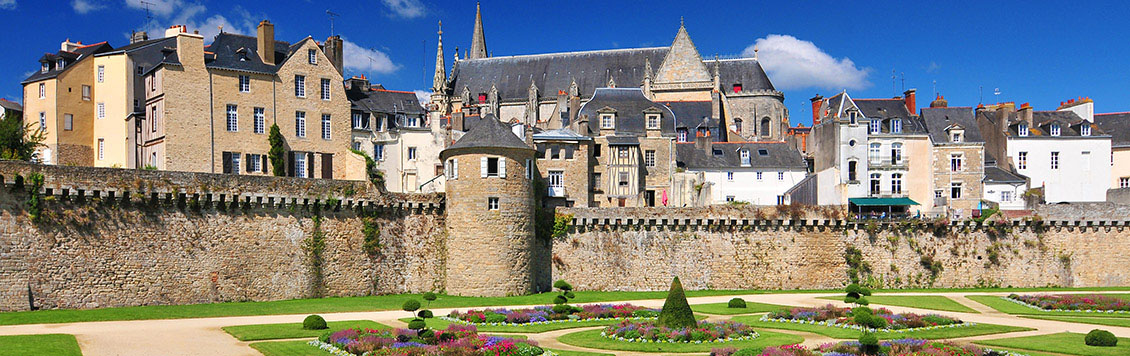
312, 55
875, 183
873, 152
452, 169
529, 169
607, 121
623, 179
379, 151
411, 153
1124, 182
153, 159
356, 145
938, 193
1022, 129
244, 84
556, 179
623, 152
101, 110
260, 121
896, 183
762, 152
255, 163
101, 148
730, 198
1055, 129
86, 92
765, 131
140, 70
233, 119
491, 167
325, 89
42, 90
153, 119
955, 137
492, 203
1085, 130
300, 86
851, 170
60, 64
956, 161
300, 165
745, 157
717, 152
325, 126
300, 123
412, 121
738, 125
730, 176
896, 125
649, 158
653, 122
357, 121
682, 135
235, 162
758, 174
896, 153
853, 117
596, 182
43, 121
873, 126
596, 150
1055, 160
68, 122
955, 190
44, 68
1022, 160
1006, 196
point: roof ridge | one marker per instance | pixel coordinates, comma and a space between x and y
1113, 113
563, 53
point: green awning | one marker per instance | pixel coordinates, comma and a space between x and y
881, 201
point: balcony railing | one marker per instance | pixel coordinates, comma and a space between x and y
556, 192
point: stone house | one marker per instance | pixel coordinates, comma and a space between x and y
393, 129
59, 99
959, 160
1117, 125
564, 161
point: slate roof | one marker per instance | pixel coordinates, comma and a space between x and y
11, 105
778, 155
385, 101
560, 134
241, 53
69, 58
937, 120
1117, 125
994, 174
629, 104
692, 115
623, 140
1042, 120
555, 72
489, 132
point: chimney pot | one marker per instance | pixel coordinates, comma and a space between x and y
265, 41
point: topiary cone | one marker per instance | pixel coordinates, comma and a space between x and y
676, 311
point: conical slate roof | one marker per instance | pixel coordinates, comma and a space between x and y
489, 132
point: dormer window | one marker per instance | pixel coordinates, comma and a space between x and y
46, 67
762, 152
653, 121
738, 88
60, 64
607, 121
482, 97
957, 134
745, 158
313, 56
1055, 130
1022, 130
873, 126
955, 137
896, 125
1085, 130
717, 153
682, 135
853, 117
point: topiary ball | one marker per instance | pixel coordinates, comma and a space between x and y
562, 309
411, 305
869, 344
417, 324
560, 299
736, 303
1099, 337
314, 322
426, 314
429, 296
562, 285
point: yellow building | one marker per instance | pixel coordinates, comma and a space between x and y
59, 98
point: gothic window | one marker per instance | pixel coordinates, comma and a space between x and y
765, 127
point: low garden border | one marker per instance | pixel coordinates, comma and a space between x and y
670, 341
464, 322
1083, 311
766, 318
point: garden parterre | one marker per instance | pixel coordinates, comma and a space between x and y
830, 315
722, 331
456, 340
1072, 302
547, 314
899, 347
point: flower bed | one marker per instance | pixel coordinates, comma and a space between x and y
545, 315
830, 315
1089, 303
900, 347
637, 331
455, 340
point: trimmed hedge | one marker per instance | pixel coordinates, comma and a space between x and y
676, 311
1100, 337
314, 322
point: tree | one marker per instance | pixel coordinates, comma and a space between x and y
17, 140
562, 299
676, 311
278, 163
855, 294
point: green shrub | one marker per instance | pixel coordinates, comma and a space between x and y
876, 322
676, 311
747, 352
429, 296
417, 324
496, 318
855, 294
426, 314
736, 303
411, 305
314, 322
1099, 337
869, 344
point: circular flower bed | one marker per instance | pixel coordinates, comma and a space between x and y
1092, 303
830, 315
645, 331
455, 340
546, 314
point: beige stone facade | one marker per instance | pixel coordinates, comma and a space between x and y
958, 171
565, 166
59, 99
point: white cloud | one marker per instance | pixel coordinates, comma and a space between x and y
366, 60
425, 96
7, 4
933, 67
408, 9
793, 64
194, 16
86, 6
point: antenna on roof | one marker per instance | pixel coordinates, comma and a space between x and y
148, 16
935, 88
894, 82
332, 15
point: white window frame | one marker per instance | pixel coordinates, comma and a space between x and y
1084, 129
896, 125
42, 90
607, 121
759, 175
730, 176
896, 153
300, 124
101, 148
1124, 182
780, 175
232, 118
896, 183
413, 153
874, 126
326, 127
299, 86
60, 64
956, 190
244, 84
957, 162
1055, 130
875, 185
1054, 160
300, 163
256, 163
653, 121
874, 152
452, 169
101, 73
326, 86
555, 179
492, 203
312, 56
1022, 130
260, 119
745, 161
682, 136
378, 151
1006, 196
236, 162
649, 158
1022, 160
101, 110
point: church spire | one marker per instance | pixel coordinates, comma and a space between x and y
478, 41
439, 82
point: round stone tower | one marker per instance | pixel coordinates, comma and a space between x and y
490, 212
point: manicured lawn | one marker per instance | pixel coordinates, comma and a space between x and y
436, 323
1064, 343
294, 330
592, 339
1124, 322
841, 333
1004, 306
35, 345
723, 309
288, 348
935, 302
577, 353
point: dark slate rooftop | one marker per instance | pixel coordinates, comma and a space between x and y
1117, 125
778, 155
994, 174
692, 115
1043, 120
241, 53
385, 101
623, 140
886, 110
69, 59
937, 120
489, 132
560, 134
555, 72
11, 105
629, 105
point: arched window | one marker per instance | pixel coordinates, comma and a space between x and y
765, 127
738, 125
852, 170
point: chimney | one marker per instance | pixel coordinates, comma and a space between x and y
69, 46
265, 41
1025, 113
940, 102
582, 125
817, 103
175, 30
703, 141
138, 36
909, 99
574, 107
190, 50
334, 52
357, 83
563, 108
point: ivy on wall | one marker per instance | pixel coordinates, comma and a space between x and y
315, 247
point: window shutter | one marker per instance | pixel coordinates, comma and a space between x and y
328, 166
247, 163
502, 167
290, 164
263, 163
483, 167
310, 165
454, 168
529, 169
447, 168
227, 162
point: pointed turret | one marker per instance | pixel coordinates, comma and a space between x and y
478, 41
439, 82
683, 63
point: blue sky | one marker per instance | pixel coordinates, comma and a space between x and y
1033, 51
